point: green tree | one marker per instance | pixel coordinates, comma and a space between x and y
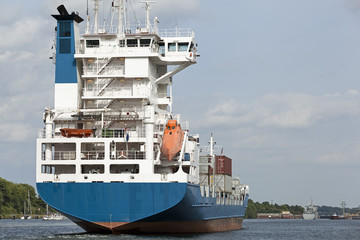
13, 196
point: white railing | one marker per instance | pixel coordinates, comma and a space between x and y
117, 50
141, 28
185, 125
92, 155
206, 150
107, 29
176, 32
110, 70
109, 91
121, 133
64, 155
128, 154
117, 92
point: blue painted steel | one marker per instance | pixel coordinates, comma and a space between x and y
65, 71
130, 202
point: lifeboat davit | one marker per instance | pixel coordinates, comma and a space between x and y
172, 139
70, 132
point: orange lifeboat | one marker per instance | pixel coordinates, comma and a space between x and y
172, 139
70, 132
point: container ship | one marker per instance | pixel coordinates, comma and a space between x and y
112, 156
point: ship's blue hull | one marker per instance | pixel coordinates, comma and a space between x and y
141, 207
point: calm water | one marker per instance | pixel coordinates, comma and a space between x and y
253, 229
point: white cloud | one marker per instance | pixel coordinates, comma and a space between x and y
353, 92
332, 158
15, 132
15, 56
10, 12
289, 110
22, 33
70, 5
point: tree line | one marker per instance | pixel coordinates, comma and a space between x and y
255, 207
14, 195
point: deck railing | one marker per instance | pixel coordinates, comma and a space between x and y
127, 154
92, 155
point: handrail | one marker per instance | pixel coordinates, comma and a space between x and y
140, 28
92, 155
64, 155
128, 154
109, 70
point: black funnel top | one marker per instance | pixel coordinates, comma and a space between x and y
64, 15
62, 10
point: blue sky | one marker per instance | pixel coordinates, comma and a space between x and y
277, 83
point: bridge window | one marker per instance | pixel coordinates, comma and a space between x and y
92, 43
172, 47
132, 42
145, 42
162, 48
183, 47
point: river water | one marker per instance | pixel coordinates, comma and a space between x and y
252, 229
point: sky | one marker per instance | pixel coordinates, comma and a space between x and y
277, 82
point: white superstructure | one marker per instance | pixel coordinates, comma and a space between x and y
123, 93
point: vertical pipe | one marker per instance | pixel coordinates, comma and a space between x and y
48, 132
212, 143
170, 90
149, 134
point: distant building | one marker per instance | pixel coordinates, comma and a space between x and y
282, 215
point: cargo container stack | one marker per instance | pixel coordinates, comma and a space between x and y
223, 174
222, 179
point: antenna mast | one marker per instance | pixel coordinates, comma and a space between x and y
96, 10
120, 18
147, 13
87, 18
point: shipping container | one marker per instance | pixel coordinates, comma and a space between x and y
204, 180
223, 183
205, 165
223, 165
205, 170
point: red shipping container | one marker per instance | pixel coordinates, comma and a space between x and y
223, 165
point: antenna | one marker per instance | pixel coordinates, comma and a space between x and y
87, 18
147, 13
96, 10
